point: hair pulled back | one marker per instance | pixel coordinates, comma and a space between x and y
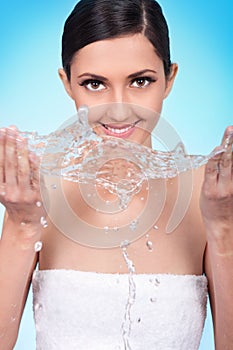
94, 20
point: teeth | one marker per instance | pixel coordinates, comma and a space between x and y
118, 131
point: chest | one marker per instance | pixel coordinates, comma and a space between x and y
86, 233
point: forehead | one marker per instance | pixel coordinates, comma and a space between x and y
134, 53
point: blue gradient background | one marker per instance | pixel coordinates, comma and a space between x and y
199, 107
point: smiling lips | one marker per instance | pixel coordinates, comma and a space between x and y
119, 131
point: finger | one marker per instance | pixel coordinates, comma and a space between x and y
34, 171
23, 163
10, 158
212, 169
2, 153
13, 127
225, 164
227, 134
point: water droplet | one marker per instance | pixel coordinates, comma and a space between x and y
23, 223
227, 141
13, 319
106, 229
116, 229
38, 204
54, 186
142, 198
65, 163
133, 225
2, 193
139, 320
123, 206
38, 306
124, 244
153, 300
43, 222
155, 227
38, 246
149, 245
157, 282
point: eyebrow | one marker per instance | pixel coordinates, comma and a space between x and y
131, 76
141, 72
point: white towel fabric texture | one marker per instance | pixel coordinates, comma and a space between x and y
76, 310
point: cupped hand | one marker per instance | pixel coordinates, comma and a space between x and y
216, 201
19, 179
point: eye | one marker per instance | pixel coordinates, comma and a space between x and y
93, 85
142, 82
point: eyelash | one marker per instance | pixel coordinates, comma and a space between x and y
90, 81
86, 82
148, 79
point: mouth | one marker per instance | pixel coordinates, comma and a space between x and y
122, 131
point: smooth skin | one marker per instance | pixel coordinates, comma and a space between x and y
125, 69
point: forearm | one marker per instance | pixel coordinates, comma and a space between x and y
220, 255
17, 262
216, 203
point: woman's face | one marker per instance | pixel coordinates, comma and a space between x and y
123, 78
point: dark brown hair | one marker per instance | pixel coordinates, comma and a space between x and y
94, 20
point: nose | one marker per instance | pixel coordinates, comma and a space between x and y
119, 112
119, 108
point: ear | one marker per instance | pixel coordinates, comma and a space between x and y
65, 81
170, 79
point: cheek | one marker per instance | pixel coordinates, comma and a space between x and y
150, 104
79, 95
81, 98
152, 98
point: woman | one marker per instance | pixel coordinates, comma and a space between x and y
116, 52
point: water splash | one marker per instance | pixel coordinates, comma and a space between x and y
75, 153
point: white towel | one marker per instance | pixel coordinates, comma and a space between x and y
77, 310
